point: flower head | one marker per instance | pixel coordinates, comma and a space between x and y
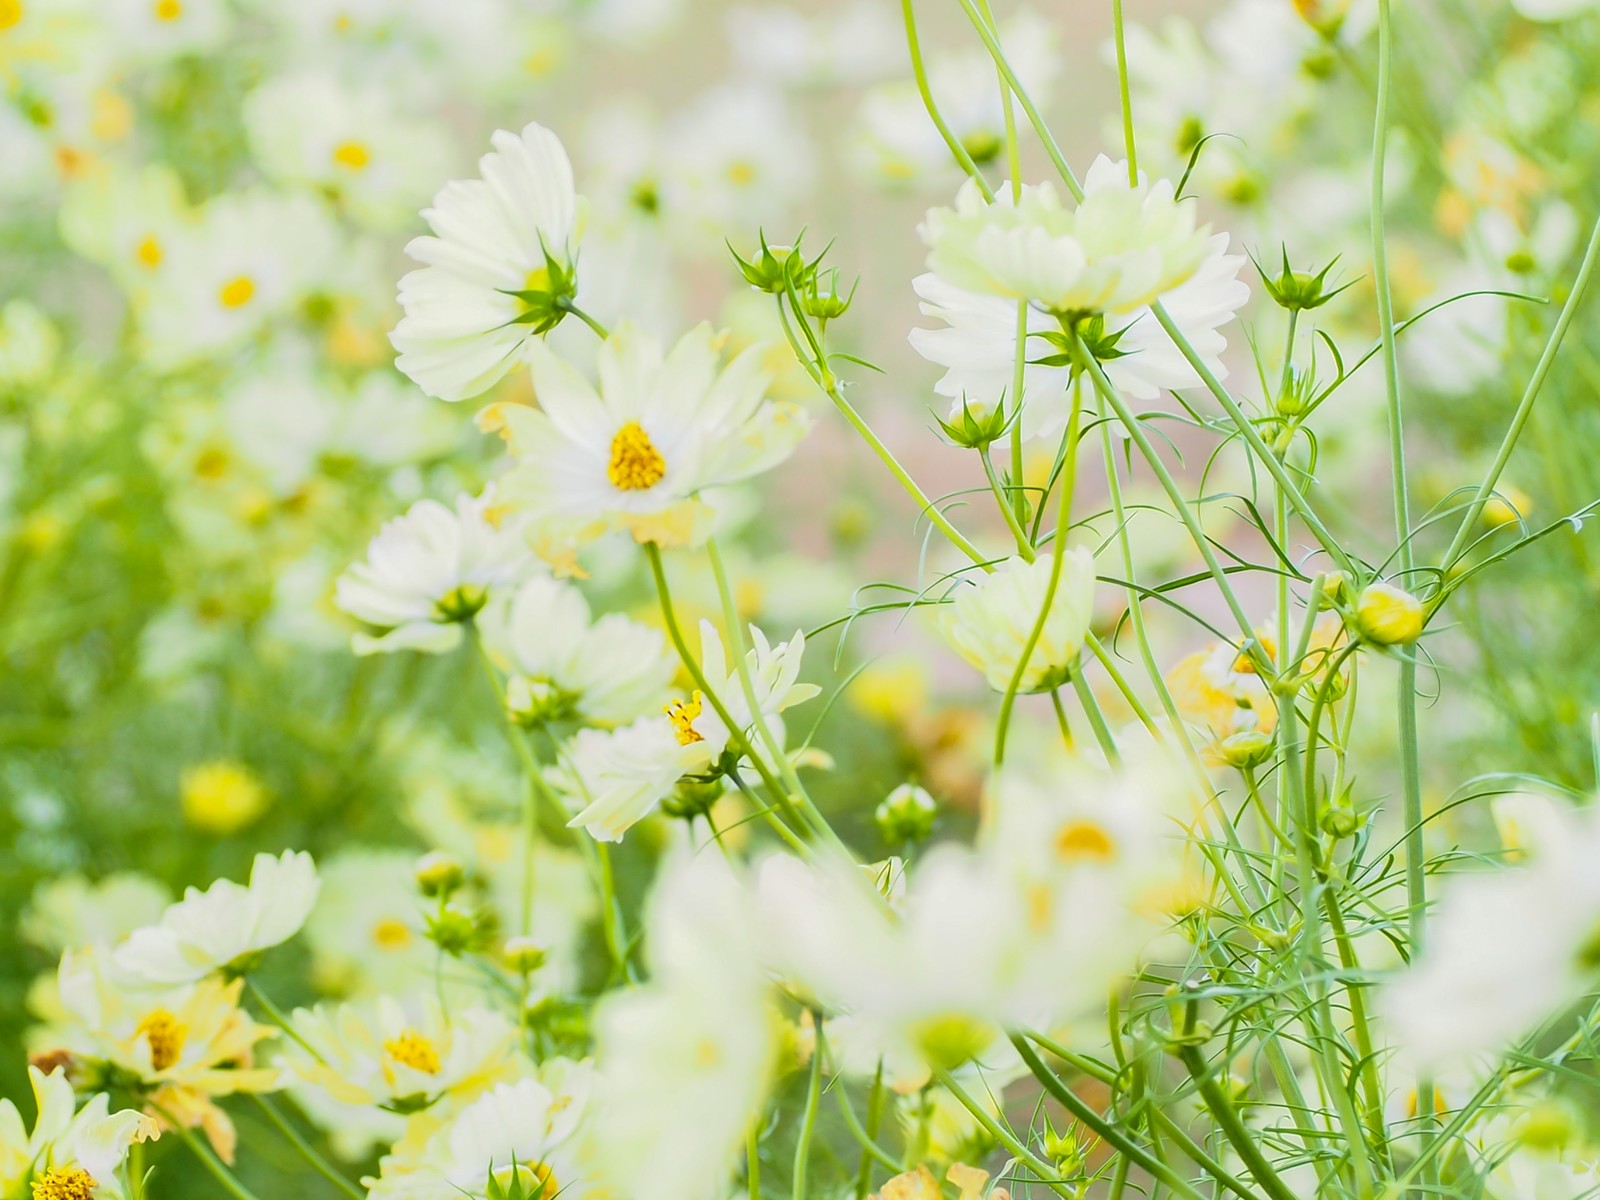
990, 621
67, 1155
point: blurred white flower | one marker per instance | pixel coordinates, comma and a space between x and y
510, 231
562, 663
740, 160
127, 222
618, 776
224, 927
990, 617
428, 571
71, 912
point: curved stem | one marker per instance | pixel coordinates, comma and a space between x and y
219, 1170
322, 1166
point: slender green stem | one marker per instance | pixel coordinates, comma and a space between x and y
321, 1165
1007, 509
1197, 1154
219, 1170
568, 306
808, 1122
276, 1015
919, 71
1124, 92
752, 1160
868, 1136
1227, 1118
1046, 1173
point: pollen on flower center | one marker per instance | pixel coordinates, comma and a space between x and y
353, 155
391, 933
148, 252
683, 714
1078, 841
636, 464
237, 292
412, 1049
64, 1183
163, 1034
168, 10
10, 13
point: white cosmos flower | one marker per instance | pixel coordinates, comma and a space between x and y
701, 1032
991, 616
66, 1153
462, 328
1506, 948
126, 222
522, 1132
774, 676
977, 347
225, 926
404, 1056
636, 452
562, 663
430, 570
618, 776
1118, 250
310, 130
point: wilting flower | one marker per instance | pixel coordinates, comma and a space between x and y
67, 1155
990, 618
224, 927
1506, 948
499, 259
1120, 249
515, 1133
637, 452
563, 664
404, 1057
430, 570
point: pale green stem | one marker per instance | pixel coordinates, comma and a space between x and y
212, 1163
321, 1165
802, 1148
1024, 546
919, 71
1124, 92
1046, 1173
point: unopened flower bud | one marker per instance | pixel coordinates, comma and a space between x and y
976, 427
456, 929
1298, 291
1548, 1125
1388, 616
776, 268
439, 874
822, 299
906, 814
1063, 1151
1245, 750
1340, 821
523, 955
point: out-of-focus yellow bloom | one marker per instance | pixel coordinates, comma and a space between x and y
221, 797
892, 690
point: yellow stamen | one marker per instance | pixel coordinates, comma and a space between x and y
741, 173
164, 1036
1245, 665
353, 155
1077, 841
391, 933
237, 292
148, 252
413, 1050
683, 714
10, 13
636, 464
168, 10
64, 1183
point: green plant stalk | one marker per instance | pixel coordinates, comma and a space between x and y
870, 1133
1046, 1173
1107, 1131
1197, 1154
919, 71
321, 1165
1227, 1118
802, 1148
1024, 546
1124, 92
1103, 656
692, 665
752, 1161
829, 383
1519, 419
1372, 1088
219, 1171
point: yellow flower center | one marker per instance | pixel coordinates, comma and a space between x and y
148, 252
1245, 665
10, 13
391, 933
741, 173
683, 714
1081, 841
237, 292
636, 464
412, 1049
353, 155
168, 10
164, 1036
64, 1183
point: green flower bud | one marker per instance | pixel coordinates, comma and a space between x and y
439, 874
461, 603
1298, 291
979, 427
777, 267
822, 301
1548, 1125
906, 814
1388, 616
523, 955
1245, 750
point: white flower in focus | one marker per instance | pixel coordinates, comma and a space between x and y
402, 1056
309, 130
515, 1133
1506, 948
990, 618
978, 346
774, 676
562, 663
702, 1032
67, 1154
224, 927
618, 776
1120, 249
636, 452
503, 233
428, 571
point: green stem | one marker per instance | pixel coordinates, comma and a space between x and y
1006, 506
920, 72
1124, 92
1046, 1173
321, 1165
1227, 1118
868, 1137
568, 306
802, 1147
212, 1163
